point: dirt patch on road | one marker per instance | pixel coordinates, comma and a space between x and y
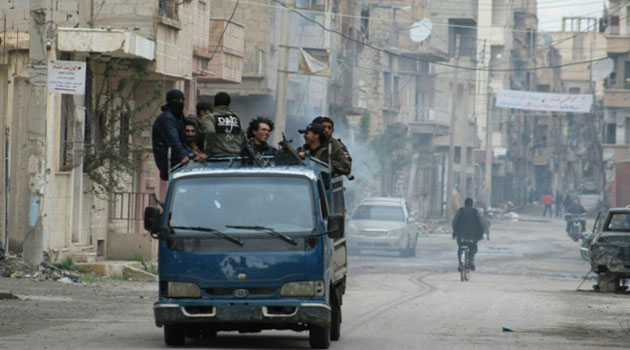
590, 334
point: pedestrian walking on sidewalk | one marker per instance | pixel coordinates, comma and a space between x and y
547, 201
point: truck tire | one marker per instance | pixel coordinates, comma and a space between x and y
335, 319
607, 282
319, 337
174, 334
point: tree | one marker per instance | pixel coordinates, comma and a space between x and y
112, 129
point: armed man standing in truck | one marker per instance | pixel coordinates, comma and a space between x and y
329, 129
316, 145
223, 131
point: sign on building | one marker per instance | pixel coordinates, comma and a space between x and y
540, 101
66, 77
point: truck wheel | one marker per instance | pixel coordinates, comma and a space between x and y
607, 282
319, 337
174, 334
335, 321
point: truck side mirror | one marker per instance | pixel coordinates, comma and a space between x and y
335, 225
152, 218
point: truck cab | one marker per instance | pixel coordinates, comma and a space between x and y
248, 248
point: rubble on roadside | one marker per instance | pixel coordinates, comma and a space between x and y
13, 266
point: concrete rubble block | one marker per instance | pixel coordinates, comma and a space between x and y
6, 294
135, 274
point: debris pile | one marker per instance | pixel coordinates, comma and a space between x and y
15, 267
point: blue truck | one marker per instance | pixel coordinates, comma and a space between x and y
250, 246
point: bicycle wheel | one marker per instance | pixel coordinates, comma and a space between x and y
464, 272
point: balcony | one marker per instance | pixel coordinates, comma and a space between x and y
222, 60
617, 98
617, 44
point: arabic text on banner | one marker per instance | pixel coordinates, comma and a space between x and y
540, 101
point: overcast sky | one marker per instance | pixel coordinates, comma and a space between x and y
550, 12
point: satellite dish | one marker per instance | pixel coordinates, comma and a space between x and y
601, 69
420, 30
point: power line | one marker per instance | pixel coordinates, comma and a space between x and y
438, 24
371, 46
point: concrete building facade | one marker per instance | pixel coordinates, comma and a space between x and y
134, 53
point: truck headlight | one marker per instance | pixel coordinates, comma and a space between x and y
183, 290
302, 289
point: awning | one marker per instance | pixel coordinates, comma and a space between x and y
115, 43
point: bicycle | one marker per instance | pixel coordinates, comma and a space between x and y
464, 259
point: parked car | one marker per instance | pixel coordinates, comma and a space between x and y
610, 250
383, 224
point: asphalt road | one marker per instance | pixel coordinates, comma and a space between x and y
526, 280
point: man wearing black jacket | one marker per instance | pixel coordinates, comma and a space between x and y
169, 132
467, 225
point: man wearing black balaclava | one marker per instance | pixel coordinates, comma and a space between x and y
169, 132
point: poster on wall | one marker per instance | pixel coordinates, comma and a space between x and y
66, 77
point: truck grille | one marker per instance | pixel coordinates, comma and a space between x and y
229, 291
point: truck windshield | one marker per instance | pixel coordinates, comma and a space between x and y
378, 212
283, 204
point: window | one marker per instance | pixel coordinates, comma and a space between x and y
387, 77
614, 25
66, 158
496, 54
611, 133
462, 39
365, 22
541, 135
458, 155
627, 132
626, 75
574, 90
543, 88
169, 9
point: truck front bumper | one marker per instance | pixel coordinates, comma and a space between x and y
249, 312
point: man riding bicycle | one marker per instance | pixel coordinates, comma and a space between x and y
467, 229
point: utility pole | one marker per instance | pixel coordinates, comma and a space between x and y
36, 125
283, 75
451, 138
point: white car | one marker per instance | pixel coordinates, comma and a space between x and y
383, 224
